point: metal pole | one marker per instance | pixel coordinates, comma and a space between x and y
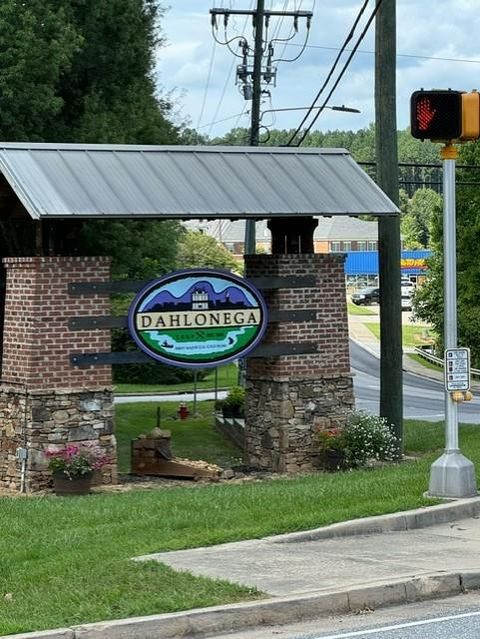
450, 293
195, 373
451, 475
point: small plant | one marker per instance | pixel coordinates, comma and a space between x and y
331, 439
235, 397
368, 437
76, 460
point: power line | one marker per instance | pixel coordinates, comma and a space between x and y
337, 59
207, 84
345, 67
227, 79
399, 55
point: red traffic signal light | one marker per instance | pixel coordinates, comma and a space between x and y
436, 115
445, 116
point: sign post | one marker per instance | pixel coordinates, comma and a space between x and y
452, 475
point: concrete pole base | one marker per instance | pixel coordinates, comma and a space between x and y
452, 475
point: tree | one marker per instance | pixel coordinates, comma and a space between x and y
417, 216
199, 250
109, 93
37, 46
428, 300
76, 71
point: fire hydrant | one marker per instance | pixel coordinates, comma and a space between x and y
183, 411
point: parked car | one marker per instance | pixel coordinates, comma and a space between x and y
407, 287
406, 303
366, 296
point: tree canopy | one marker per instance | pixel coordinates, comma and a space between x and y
197, 250
77, 71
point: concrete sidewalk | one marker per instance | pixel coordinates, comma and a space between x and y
345, 556
347, 567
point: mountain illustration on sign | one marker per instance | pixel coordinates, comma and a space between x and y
230, 298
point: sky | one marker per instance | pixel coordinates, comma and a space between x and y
438, 46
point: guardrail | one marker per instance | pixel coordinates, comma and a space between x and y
433, 359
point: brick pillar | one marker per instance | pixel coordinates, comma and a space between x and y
43, 399
289, 397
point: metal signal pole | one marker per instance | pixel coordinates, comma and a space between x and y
452, 474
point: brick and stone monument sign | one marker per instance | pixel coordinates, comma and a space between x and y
43, 399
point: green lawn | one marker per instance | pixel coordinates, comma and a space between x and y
424, 362
227, 377
353, 309
66, 561
413, 334
194, 438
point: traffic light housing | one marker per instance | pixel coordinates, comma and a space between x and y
445, 116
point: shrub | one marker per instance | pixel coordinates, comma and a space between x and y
235, 397
368, 437
148, 373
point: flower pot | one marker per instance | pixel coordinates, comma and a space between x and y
333, 460
227, 412
63, 485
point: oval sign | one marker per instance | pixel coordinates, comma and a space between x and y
198, 318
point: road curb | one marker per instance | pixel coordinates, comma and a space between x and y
202, 622
405, 520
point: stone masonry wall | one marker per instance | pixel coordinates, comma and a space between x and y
38, 419
291, 397
43, 399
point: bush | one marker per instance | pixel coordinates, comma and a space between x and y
235, 397
149, 373
368, 437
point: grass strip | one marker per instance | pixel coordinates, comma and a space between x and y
227, 377
66, 561
353, 309
424, 362
412, 334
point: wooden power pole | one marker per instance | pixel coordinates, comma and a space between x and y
259, 16
391, 378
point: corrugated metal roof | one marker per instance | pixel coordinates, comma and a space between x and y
94, 181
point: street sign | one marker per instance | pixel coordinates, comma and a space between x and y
457, 369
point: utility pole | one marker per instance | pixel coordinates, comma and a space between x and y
391, 378
252, 77
250, 236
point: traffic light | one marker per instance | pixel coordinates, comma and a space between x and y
445, 116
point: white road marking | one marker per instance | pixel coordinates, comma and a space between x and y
410, 624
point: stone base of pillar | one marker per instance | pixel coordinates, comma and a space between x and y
36, 419
283, 417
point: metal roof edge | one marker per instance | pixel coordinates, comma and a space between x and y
19, 191
70, 146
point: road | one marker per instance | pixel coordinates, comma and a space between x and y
423, 398
452, 618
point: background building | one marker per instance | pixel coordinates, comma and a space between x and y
357, 238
